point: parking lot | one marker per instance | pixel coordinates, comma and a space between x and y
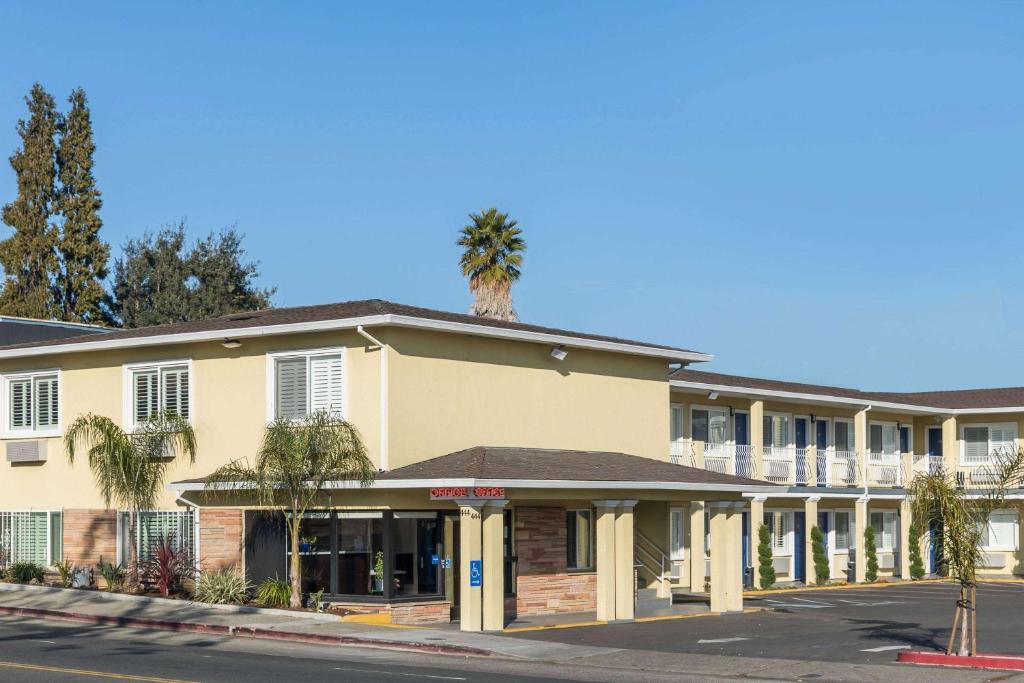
855, 625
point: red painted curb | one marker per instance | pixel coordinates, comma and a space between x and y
1010, 662
243, 631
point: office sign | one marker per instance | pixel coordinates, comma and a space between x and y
476, 573
467, 492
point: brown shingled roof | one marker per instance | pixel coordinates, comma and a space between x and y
964, 399
238, 322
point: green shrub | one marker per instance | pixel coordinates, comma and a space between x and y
224, 586
916, 562
765, 568
66, 569
274, 593
24, 572
821, 568
871, 552
112, 573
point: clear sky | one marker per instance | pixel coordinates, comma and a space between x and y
825, 192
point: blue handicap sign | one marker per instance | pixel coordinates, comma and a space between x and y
434, 559
476, 573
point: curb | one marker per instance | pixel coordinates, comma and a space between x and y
253, 632
1005, 662
847, 586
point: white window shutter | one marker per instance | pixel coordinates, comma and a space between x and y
326, 383
889, 525
1004, 438
21, 403
146, 394
290, 394
975, 444
46, 401
175, 390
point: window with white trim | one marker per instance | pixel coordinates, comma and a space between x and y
304, 383
677, 534
31, 537
979, 443
33, 403
780, 524
579, 529
883, 438
1001, 532
842, 435
159, 387
843, 537
884, 524
776, 431
676, 422
153, 527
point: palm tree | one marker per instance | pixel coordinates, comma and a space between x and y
129, 468
492, 259
296, 459
963, 515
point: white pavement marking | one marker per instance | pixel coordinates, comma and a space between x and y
397, 673
797, 604
887, 648
722, 640
51, 642
814, 602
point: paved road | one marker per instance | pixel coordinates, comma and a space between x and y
862, 625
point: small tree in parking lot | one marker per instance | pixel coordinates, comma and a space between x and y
916, 562
765, 568
821, 568
871, 553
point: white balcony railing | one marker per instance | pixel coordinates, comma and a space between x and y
779, 464
680, 452
884, 469
801, 466
719, 457
745, 462
843, 468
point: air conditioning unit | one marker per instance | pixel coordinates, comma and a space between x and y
887, 561
992, 560
780, 565
26, 451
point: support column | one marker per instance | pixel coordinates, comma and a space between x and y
905, 519
756, 520
757, 438
810, 521
494, 565
605, 558
950, 444
698, 570
1019, 569
734, 572
861, 445
470, 550
625, 574
812, 463
860, 522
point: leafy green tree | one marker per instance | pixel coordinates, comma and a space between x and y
871, 552
294, 462
81, 256
156, 281
963, 515
765, 568
916, 561
492, 259
129, 468
27, 256
821, 568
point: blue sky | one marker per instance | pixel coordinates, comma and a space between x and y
825, 192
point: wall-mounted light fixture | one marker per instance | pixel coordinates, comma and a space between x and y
559, 353
813, 419
712, 395
231, 343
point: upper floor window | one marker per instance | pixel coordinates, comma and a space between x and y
842, 435
776, 431
33, 403
158, 387
306, 382
981, 442
883, 437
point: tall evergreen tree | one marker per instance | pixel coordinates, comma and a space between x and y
157, 281
81, 256
27, 256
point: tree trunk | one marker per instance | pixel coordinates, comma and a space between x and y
295, 568
964, 600
133, 550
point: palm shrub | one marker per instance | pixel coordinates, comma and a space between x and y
24, 572
112, 573
274, 592
871, 552
916, 561
295, 460
222, 587
66, 569
129, 469
168, 565
820, 555
765, 568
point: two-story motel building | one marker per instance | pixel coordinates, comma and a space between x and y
523, 470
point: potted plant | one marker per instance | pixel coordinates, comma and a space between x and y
378, 573
307, 544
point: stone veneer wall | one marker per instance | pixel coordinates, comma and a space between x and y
220, 538
90, 535
543, 586
416, 613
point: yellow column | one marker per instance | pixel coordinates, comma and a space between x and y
757, 437
860, 444
698, 569
720, 553
756, 520
1019, 569
625, 574
470, 535
605, 558
697, 448
860, 522
810, 521
812, 464
906, 518
950, 444
734, 570
494, 566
